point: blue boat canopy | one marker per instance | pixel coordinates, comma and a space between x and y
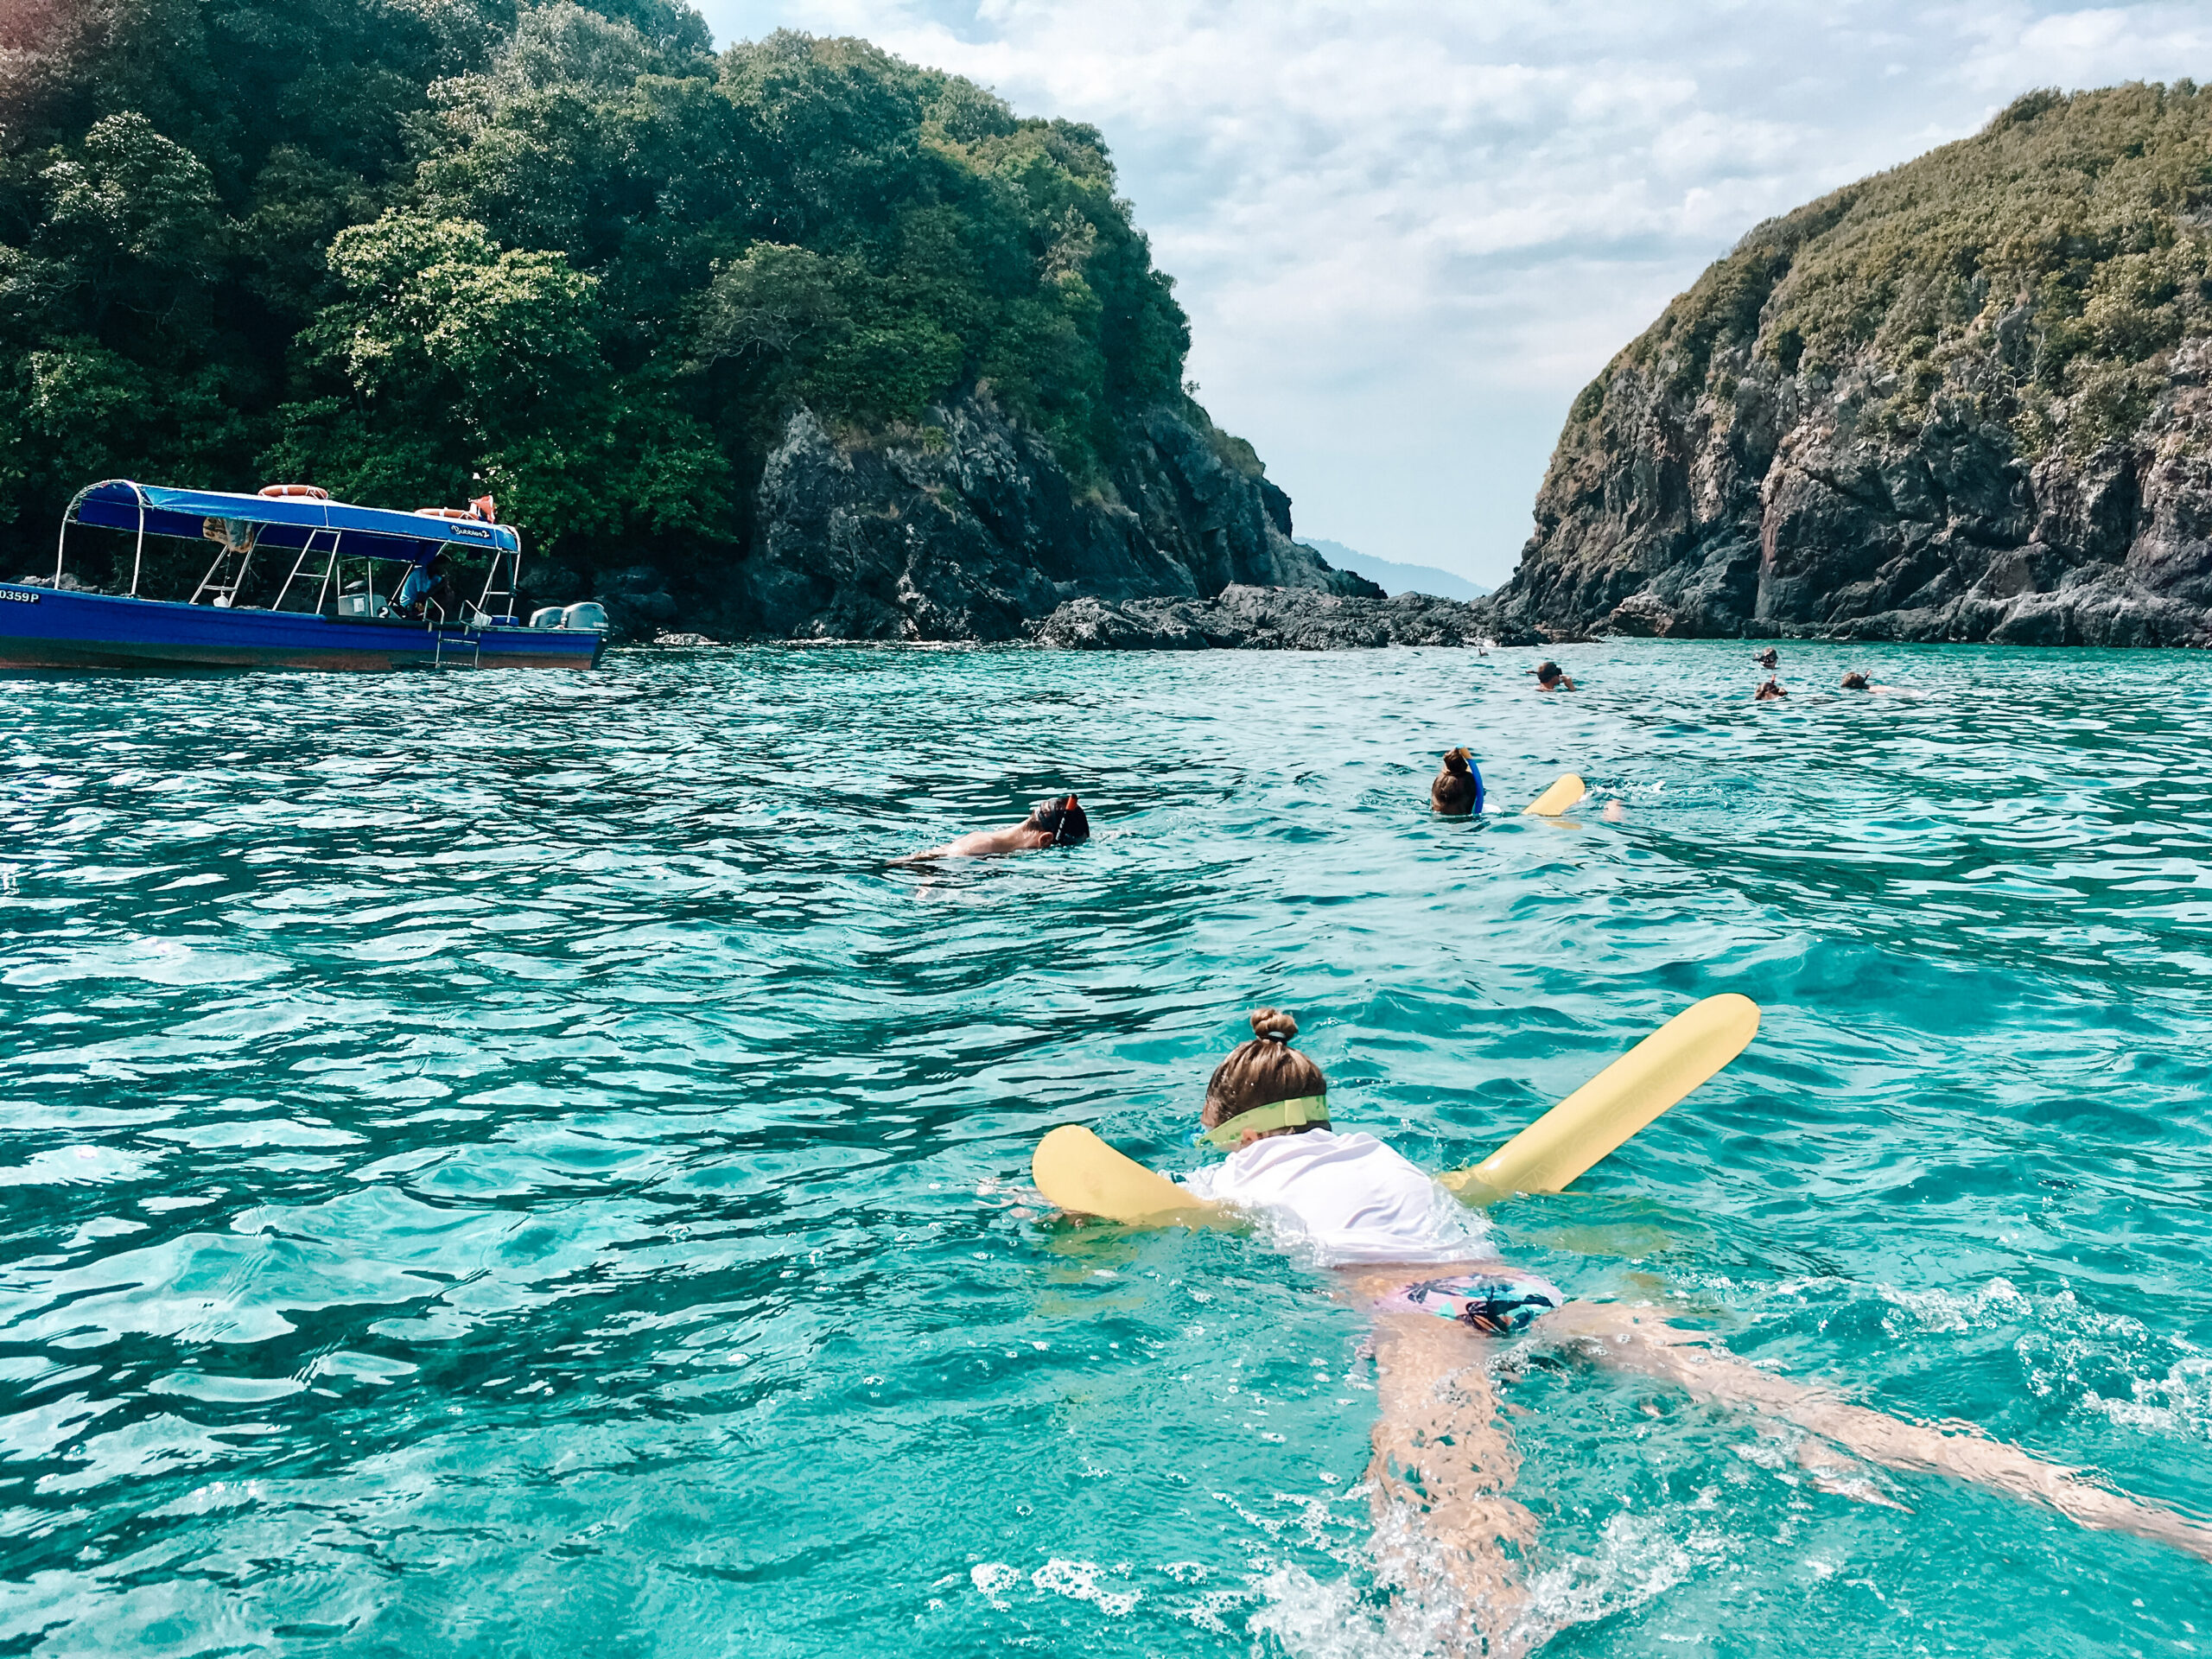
287, 521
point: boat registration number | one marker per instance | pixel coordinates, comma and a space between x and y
18, 596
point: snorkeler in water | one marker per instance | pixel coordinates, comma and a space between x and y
1550, 677
1855, 681
1769, 660
1443, 1305
1457, 789
1059, 822
1771, 688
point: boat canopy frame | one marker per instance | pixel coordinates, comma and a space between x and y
312, 525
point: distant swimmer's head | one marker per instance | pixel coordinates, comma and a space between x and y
1770, 688
1265, 1087
1854, 680
1063, 816
1457, 789
1769, 658
1550, 676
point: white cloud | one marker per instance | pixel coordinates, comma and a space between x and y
1409, 232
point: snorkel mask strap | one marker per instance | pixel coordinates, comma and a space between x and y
1307, 1111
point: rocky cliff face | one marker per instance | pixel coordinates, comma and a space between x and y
968, 529
1969, 400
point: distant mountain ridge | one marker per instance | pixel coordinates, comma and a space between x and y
1396, 579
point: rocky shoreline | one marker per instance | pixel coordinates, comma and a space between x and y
1241, 617
968, 527
1246, 617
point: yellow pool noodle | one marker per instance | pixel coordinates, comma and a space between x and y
1613, 1105
1564, 793
1084, 1176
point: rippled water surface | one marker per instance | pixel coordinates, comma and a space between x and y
498, 1164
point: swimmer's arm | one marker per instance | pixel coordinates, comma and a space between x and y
983, 844
1639, 1340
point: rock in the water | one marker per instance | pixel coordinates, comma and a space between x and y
638, 605
969, 529
1246, 617
1896, 414
682, 640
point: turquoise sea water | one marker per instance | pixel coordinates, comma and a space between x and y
498, 1166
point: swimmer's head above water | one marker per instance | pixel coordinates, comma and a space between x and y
1265, 1087
1457, 789
1551, 677
1854, 680
1063, 818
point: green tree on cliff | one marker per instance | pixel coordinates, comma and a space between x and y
414, 249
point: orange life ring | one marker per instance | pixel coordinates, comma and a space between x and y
308, 490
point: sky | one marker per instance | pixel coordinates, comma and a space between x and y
1408, 231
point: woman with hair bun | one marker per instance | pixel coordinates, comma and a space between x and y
1457, 789
1422, 1267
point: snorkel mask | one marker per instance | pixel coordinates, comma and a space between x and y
1070, 825
1307, 1111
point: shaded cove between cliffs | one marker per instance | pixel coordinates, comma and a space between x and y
557, 1190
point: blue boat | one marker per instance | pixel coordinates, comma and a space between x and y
363, 590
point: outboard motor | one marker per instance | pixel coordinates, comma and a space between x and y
588, 616
551, 617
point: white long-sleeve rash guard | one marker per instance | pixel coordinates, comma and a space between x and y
1346, 1198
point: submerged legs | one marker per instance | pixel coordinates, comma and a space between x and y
1445, 1533
1639, 1339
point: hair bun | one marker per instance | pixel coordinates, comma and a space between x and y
1455, 760
1275, 1025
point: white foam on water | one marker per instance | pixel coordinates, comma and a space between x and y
1637, 1559
1078, 1581
992, 1580
2000, 1302
2179, 1403
1318, 1619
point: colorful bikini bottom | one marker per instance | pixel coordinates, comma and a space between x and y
1499, 1305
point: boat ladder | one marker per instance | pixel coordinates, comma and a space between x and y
323, 578
221, 585
471, 637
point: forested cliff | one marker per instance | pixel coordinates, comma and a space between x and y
1970, 398
795, 339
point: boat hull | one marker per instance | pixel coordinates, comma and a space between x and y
55, 628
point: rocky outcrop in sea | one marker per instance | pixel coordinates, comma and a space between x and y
1243, 617
1915, 410
967, 528
1774, 513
